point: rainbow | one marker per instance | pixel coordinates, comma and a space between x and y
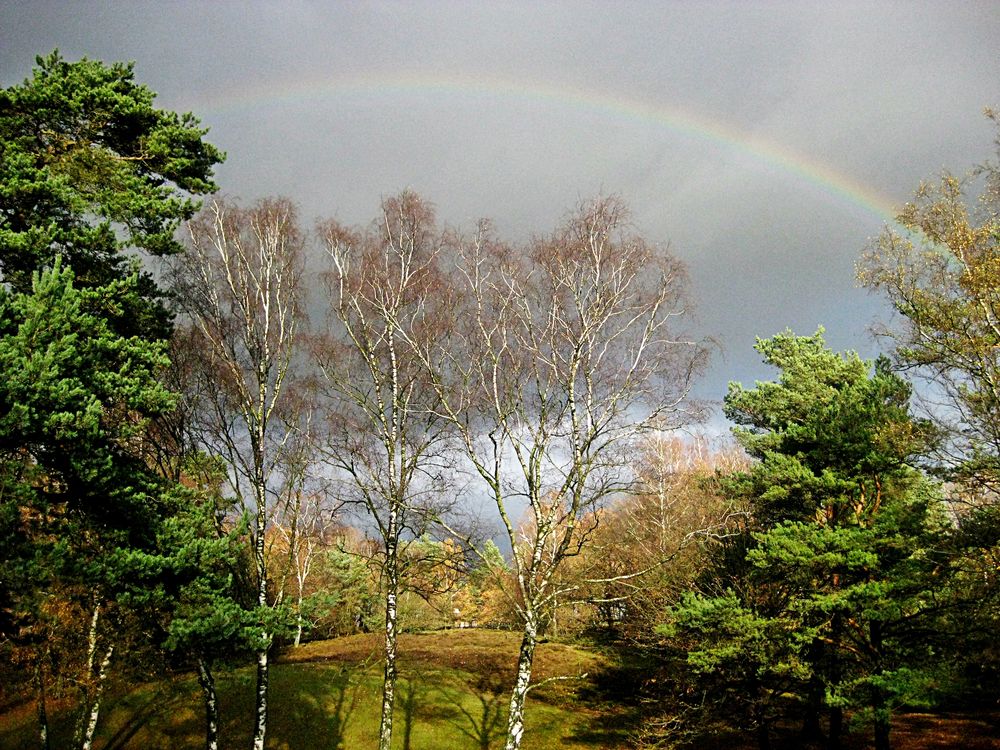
686, 123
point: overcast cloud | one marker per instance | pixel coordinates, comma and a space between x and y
518, 111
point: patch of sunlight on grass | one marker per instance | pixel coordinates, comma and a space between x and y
451, 695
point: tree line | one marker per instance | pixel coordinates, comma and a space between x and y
287, 433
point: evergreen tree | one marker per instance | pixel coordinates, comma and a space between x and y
825, 594
75, 397
186, 585
89, 167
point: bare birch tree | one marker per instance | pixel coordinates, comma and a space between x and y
239, 282
569, 352
306, 518
386, 435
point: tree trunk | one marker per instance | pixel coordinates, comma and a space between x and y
515, 716
763, 735
260, 727
392, 589
760, 719
836, 728
812, 730
260, 724
207, 682
95, 703
298, 612
836, 712
94, 679
882, 732
881, 710
43, 715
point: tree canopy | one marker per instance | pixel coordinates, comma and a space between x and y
89, 167
940, 270
824, 591
89, 170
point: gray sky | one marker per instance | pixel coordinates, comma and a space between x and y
765, 142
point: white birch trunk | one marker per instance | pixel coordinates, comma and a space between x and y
95, 704
260, 723
91, 686
207, 682
515, 715
298, 625
301, 571
88, 676
260, 726
392, 590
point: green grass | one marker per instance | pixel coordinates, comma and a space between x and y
451, 695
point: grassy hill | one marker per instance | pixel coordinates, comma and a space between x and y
451, 695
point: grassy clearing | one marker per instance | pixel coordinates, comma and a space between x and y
451, 696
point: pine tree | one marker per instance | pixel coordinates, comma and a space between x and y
75, 398
832, 575
88, 169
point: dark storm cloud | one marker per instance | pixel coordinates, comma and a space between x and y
884, 94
